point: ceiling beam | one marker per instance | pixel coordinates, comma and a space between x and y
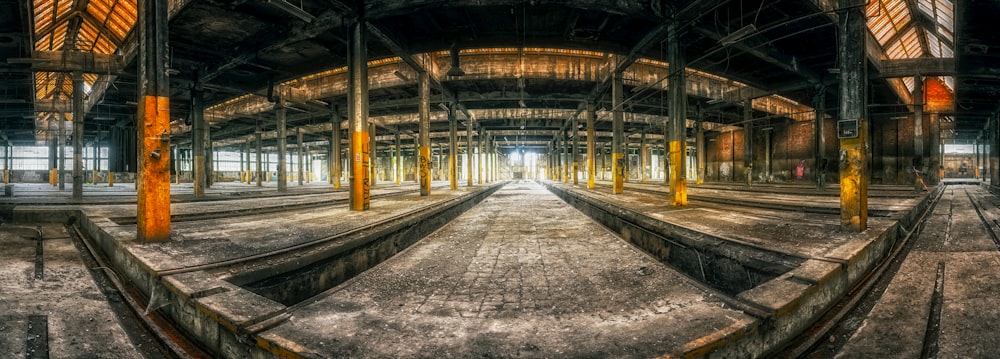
925, 66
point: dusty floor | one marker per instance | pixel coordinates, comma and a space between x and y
942, 302
65, 298
520, 275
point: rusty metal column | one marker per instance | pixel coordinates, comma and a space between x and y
357, 108
678, 116
919, 160
425, 133
282, 132
468, 151
591, 145
78, 137
699, 142
246, 146
260, 171
300, 163
198, 136
617, 135
452, 148
748, 141
853, 106
153, 185
819, 133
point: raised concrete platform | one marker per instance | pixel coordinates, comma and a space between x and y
521, 274
785, 259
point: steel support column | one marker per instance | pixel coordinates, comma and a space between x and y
919, 156
576, 152
335, 161
643, 159
819, 135
678, 116
260, 166
452, 148
153, 185
481, 156
468, 151
357, 108
617, 135
61, 150
398, 166
748, 141
198, 136
591, 144
300, 163
78, 137
699, 143
853, 105
281, 114
425, 133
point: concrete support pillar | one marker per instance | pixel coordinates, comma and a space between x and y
78, 116
300, 162
357, 108
153, 185
198, 126
452, 148
282, 146
617, 135
853, 107
819, 137
566, 163
591, 144
425, 133
748, 141
260, 165
678, 116
699, 143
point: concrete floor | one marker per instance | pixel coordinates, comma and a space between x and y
520, 275
524, 275
63, 296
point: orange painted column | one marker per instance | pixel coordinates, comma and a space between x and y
153, 185
153, 182
678, 118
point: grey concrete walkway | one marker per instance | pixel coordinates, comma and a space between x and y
520, 275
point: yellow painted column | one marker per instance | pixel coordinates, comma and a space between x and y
591, 145
618, 136
357, 108
111, 179
678, 117
852, 128
424, 137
